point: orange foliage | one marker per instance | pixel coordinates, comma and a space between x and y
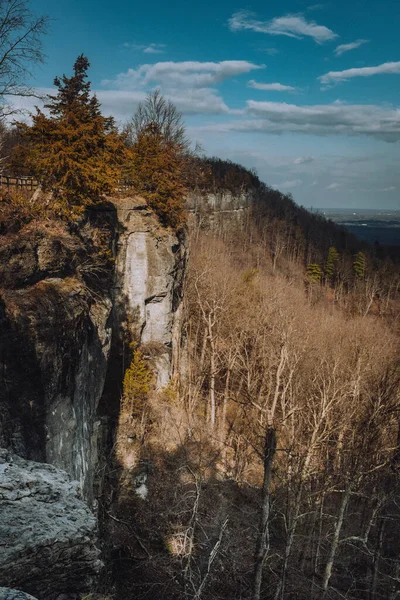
75, 152
157, 174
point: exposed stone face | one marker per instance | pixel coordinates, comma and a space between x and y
219, 212
61, 302
54, 343
8, 594
56, 325
47, 533
150, 269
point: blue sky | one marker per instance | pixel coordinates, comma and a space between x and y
308, 94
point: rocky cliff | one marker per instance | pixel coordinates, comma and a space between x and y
219, 212
150, 268
54, 342
47, 533
66, 295
72, 300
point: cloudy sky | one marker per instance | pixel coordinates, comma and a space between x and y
308, 94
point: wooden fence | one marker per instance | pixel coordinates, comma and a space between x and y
29, 183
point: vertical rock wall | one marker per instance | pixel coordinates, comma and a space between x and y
54, 343
219, 212
149, 273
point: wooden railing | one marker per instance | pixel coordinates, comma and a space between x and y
29, 183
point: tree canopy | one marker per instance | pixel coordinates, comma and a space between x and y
159, 153
74, 151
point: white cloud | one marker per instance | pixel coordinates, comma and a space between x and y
335, 76
380, 122
391, 188
187, 84
181, 74
326, 119
302, 160
291, 25
122, 104
273, 87
342, 48
154, 49
191, 101
270, 51
146, 49
333, 186
287, 185
119, 104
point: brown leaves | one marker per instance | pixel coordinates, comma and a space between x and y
157, 174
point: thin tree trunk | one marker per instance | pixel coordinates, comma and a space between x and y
280, 590
225, 405
376, 559
262, 545
212, 383
335, 540
318, 548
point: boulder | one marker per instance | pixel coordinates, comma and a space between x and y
47, 533
8, 594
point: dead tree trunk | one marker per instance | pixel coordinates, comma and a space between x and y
262, 545
335, 540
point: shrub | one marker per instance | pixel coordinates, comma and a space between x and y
137, 384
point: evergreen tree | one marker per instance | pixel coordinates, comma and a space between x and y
75, 152
314, 273
137, 384
331, 264
359, 265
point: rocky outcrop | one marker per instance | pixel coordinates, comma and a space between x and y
54, 342
47, 533
220, 212
8, 594
149, 273
65, 292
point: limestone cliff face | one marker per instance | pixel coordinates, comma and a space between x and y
54, 342
65, 296
219, 212
150, 267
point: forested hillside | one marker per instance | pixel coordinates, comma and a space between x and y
270, 460
229, 398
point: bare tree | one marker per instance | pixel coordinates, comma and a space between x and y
262, 546
20, 49
161, 114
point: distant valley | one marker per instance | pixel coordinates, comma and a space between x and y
369, 225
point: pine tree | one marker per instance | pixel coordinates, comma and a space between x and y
331, 264
75, 152
314, 273
359, 265
137, 384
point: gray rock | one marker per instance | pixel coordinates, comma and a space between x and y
8, 594
47, 533
220, 213
55, 305
150, 267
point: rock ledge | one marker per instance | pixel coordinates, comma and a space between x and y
47, 533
